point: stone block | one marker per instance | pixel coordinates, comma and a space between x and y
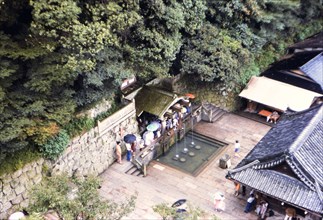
87, 164
9, 196
75, 140
27, 167
31, 173
19, 189
24, 203
6, 189
24, 179
69, 157
34, 164
25, 195
40, 161
83, 138
6, 179
16, 174
5, 207
37, 179
68, 150
92, 147
14, 183
72, 164
77, 147
17, 200
3, 215
38, 169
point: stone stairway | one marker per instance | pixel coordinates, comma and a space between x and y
133, 169
211, 113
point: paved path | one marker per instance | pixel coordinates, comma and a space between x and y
166, 185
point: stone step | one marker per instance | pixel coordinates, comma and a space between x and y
217, 115
209, 106
217, 112
133, 170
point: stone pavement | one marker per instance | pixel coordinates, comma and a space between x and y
164, 184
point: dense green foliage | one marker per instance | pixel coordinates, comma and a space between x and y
71, 197
58, 56
17, 161
166, 211
79, 125
55, 145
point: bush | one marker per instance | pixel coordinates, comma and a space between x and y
114, 107
56, 145
18, 160
71, 197
79, 125
166, 211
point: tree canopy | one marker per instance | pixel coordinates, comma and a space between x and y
57, 56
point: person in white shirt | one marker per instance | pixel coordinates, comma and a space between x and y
236, 148
148, 138
129, 152
250, 202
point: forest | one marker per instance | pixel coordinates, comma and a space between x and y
60, 56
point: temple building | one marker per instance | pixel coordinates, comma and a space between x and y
286, 166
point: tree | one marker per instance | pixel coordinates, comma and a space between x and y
213, 55
53, 60
156, 40
166, 211
72, 197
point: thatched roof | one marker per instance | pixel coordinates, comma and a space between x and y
154, 101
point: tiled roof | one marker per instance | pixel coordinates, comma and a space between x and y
280, 186
154, 101
297, 140
302, 69
314, 69
277, 141
315, 41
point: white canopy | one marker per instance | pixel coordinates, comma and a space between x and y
278, 95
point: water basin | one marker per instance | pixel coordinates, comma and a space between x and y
197, 150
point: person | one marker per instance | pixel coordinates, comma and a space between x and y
188, 109
141, 144
249, 204
273, 117
262, 209
148, 137
175, 122
129, 153
236, 148
183, 110
169, 124
236, 188
163, 125
158, 134
290, 213
243, 190
118, 152
134, 148
219, 204
17, 216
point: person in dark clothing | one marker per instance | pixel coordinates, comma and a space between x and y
250, 202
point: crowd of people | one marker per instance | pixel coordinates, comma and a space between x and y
171, 121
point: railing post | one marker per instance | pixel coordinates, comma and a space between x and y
144, 169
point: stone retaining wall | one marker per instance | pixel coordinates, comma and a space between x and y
209, 92
90, 153
14, 187
93, 152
